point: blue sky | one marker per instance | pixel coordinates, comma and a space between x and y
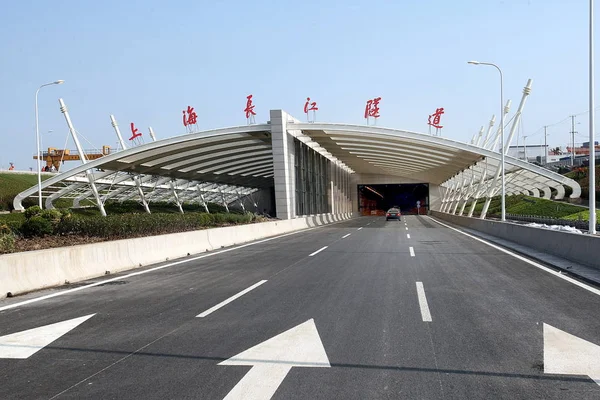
145, 61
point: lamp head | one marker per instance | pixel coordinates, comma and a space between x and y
473, 62
59, 82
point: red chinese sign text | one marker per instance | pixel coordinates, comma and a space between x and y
436, 118
249, 110
372, 108
308, 106
134, 132
191, 118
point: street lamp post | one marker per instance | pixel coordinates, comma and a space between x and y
501, 132
37, 139
592, 158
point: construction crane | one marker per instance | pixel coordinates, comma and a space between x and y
54, 157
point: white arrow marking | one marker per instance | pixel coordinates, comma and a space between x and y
24, 344
570, 355
272, 359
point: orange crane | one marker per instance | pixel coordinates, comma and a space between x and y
53, 156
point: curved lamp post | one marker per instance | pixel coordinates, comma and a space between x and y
37, 139
501, 132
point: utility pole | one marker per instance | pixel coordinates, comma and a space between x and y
572, 140
545, 146
525, 147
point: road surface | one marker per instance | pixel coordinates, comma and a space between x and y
364, 309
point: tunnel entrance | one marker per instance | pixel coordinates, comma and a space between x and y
377, 199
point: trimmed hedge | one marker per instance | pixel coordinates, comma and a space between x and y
130, 225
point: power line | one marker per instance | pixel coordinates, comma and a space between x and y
561, 121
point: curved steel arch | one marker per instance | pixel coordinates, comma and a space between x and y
235, 160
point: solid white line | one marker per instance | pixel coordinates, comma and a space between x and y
359, 228
528, 261
408, 235
412, 251
67, 291
345, 236
425, 313
318, 251
229, 300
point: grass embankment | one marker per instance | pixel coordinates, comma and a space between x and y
13, 183
525, 205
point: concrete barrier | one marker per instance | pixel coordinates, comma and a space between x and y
33, 270
583, 249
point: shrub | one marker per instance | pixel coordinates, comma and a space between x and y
53, 216
5, 229
7, 243
15, 227
36, 226
32, 211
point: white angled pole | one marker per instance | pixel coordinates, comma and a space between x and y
592, 162
37, 139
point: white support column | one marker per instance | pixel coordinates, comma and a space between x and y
176, 197
526, 92
224, 201
517, 118
460, 193
449, 194
489, 131
478, 190
89, 174
136, 179
493, 144
479, 136
141, 194
446, 196
468, 192
202, 198
283, 164
113, 122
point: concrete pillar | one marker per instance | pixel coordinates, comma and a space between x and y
283, 165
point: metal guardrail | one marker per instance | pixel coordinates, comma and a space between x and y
579, 224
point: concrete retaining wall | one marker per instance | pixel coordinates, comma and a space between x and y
583, 249
24, 272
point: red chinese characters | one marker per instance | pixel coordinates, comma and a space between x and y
191, 118
436, 118
308, 106
249, 110
372, 108
134, 132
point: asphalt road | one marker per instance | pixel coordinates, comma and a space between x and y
479, 335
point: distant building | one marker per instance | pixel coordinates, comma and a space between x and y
533, 151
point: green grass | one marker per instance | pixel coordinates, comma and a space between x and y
525, 205
19, 217
12, 183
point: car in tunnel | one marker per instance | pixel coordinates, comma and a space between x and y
393, 213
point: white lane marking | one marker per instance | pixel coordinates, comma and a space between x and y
272, 359
570, 355
360, 228
408, 235
407, 228
229, 300
24, 344
425, 313
318, 251
412, 251
528, 261
345, 236
67, 291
